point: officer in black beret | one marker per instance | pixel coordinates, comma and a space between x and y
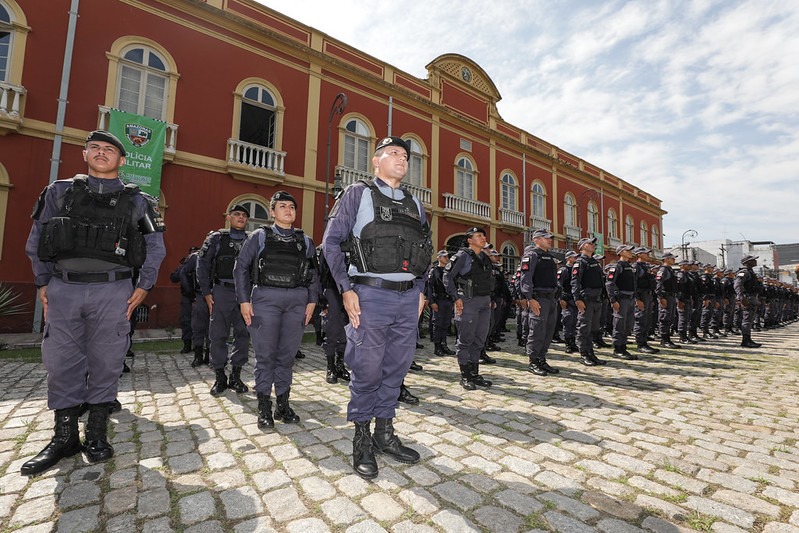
440, 304
747, 291
587, 284
644, 296
567, 306
666, 291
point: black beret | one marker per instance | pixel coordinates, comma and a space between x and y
393, 141
282, 196
472, 231
239, 207
108, 137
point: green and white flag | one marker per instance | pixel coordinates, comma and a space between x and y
144, 140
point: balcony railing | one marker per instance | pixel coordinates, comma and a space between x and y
537, 222
255, 156
348, 176
10, 105
466, 206
572, 232
511, 217
171, 132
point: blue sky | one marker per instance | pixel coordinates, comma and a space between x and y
696, 102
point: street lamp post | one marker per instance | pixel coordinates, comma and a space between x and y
683, 245
339, 103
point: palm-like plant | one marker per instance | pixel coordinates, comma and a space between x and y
9, 301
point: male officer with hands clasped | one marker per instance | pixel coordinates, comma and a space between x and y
384, 228
622, 287
586, 287
89, 233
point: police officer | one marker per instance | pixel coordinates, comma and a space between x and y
215, 276
622, 286
440, 304
187, 297
277, 285
539, 286
747, 290
666, 293
707, 289
469, 278
644, 290
568, 308
586, 286
384, 228
334, 342
200, 316
685, 301
89, 233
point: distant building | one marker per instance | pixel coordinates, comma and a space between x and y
728, 254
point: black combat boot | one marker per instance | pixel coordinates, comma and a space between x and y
320, 338
620, 351
439, 349
466, 377
65, 443
341, 370
186, 347
416, 367
550, 369
96, 446
331, 376
207, 356
487, 359
599, 342
405, 396
299, 355
220, 385
747, 342
447, 351
386, 442
536, 368
477, 379
363, 456
265, 420
587, 359
283, 411
665, 341
596, 359
235, 383
571, 345
556, 339
645, 348
198, 357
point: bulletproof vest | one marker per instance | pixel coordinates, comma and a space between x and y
625, 276
706, 283
750, 283
284, 260
591, 273
437, 279
645, 280
95, 226
545, 275
668, 279
565, 279
225, 259
481, 274
396, 240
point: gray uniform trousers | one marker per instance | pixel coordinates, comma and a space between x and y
643, 319
588, 322
748, 315
85, 341
623, 320
666, 314
569, 319
473, 324
684, 316
225, 314
542, 328
200, 318
276, 331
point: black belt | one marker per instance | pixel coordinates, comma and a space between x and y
399, 286
226, 284
94, 277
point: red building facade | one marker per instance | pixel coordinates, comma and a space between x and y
250, 99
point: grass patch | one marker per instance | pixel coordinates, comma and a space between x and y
34, 355
668, 467
536, 521
700, 522
679, 498
23, 355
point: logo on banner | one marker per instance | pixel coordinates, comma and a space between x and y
138, 135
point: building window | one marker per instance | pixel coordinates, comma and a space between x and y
356, 146
613, 224
6, 40
464, 179
415, 174
539, 201
643, 233
655, 238
259, 212
629, 230
509, 190
258, 117
509, 258
593, 218
143, 83
570, 210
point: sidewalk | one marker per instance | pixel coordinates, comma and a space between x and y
703, 438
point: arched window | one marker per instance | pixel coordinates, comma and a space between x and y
613, 224
509, 257
509, 189
356, 145
570, 210
655, 237
593, 218
415, 175
464, 178
629, 229
258, 117
539, 203
143, 82
259, 211
643, 233
6, 41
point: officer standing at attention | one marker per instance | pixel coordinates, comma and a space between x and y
685, 301
586, 285
568, 313
384, 228
277, 286
644, 289
469, 278
440, 305
200, 317
539, 286
666, 293
215, 276
89, 233
747, 289
621, 286
187, 297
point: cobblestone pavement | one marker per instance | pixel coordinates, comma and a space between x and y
703, 438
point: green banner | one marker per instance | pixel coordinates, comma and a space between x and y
144, 140
600, 243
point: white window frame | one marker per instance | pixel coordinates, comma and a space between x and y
144, 97
593, 218
570, 209
464, 178
415, 175
629, 229
539, 200
644, 232
509, 191
613, 224
356, 143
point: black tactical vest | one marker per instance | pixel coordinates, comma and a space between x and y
95, 226
625, 276
645, 279
284, 260
591, 273
481, 274
545, 275
225, 259
396, 240
668, 279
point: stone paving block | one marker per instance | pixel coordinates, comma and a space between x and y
160, 525
241, 502
652, 487
32, 511
629, 464
783, 496
726, 512
518, 502
557, 482
121, 524
284, 504
342, 511
196, 508
573, 507
80, 494
120, 500
79, 520
211, 526
307, 525
612, 525
419, 500
553, 452
729, 481
422, 475
183, 464
317, 489
612, 506
265, 481
44, 487
680, 481
458, 495
453, 521
153, 503
777, 527
612, 488
601, 468
747, 502
561, 522
497, 519
382, 507
406, 526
